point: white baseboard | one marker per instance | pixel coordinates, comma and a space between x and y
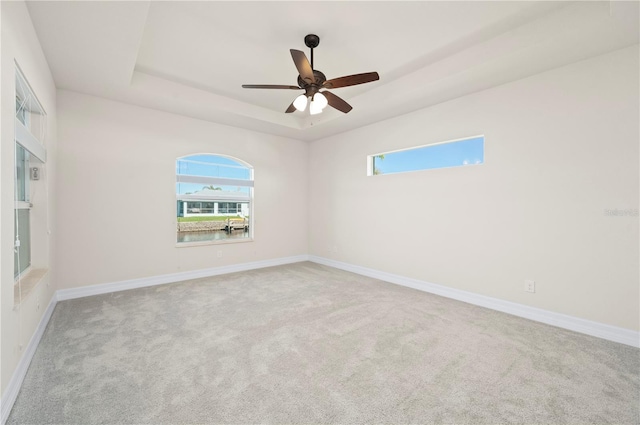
105, 288
11, 393
611, 333
600, 330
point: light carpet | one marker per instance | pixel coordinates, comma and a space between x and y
305, 343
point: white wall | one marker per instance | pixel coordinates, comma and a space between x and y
116, 199
20, 44
561, 147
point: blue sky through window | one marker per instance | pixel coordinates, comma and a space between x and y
211, 166
441, 155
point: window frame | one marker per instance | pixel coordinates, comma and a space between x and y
371, 170
30, 127
22, 241
218, 181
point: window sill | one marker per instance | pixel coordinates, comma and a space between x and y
28, 283
218, 242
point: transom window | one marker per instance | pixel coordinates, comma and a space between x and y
213, 199
454, 153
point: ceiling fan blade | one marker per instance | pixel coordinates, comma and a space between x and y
351, 80
290, 109
269, 86
337, 102
303, 65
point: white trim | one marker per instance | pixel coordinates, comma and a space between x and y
208, 197
29, 142
576, 324
430, 144
105, 288
22, 205
214, 242
223, 181
11, 393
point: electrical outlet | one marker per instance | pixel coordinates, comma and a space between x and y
219, 254
529, 286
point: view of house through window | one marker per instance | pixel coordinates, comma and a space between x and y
455, 153
213, 198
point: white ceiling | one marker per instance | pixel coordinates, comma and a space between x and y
191, 58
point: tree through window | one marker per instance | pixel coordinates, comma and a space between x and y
454, 153
213, 198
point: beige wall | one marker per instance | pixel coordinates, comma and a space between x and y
117, 212
20, 45
561, 148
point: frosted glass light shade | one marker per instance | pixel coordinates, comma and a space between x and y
318, 103
314, 109
320, 100
300, 103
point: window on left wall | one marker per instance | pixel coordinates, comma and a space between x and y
29, 185
22, 213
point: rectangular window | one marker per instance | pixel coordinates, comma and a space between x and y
30, 152
22, 251
30, 119
455, 153
22, 212
213, 195
22, 174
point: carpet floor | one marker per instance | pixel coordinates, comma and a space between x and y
305, 343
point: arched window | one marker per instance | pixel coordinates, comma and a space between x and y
214, 199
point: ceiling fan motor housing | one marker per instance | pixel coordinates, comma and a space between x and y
315, 86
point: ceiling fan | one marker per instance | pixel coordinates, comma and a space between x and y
313, 81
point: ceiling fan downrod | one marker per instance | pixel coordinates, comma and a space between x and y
312, 41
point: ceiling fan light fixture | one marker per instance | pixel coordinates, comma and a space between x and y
320, 101
300, 103
312, 80
314, 110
